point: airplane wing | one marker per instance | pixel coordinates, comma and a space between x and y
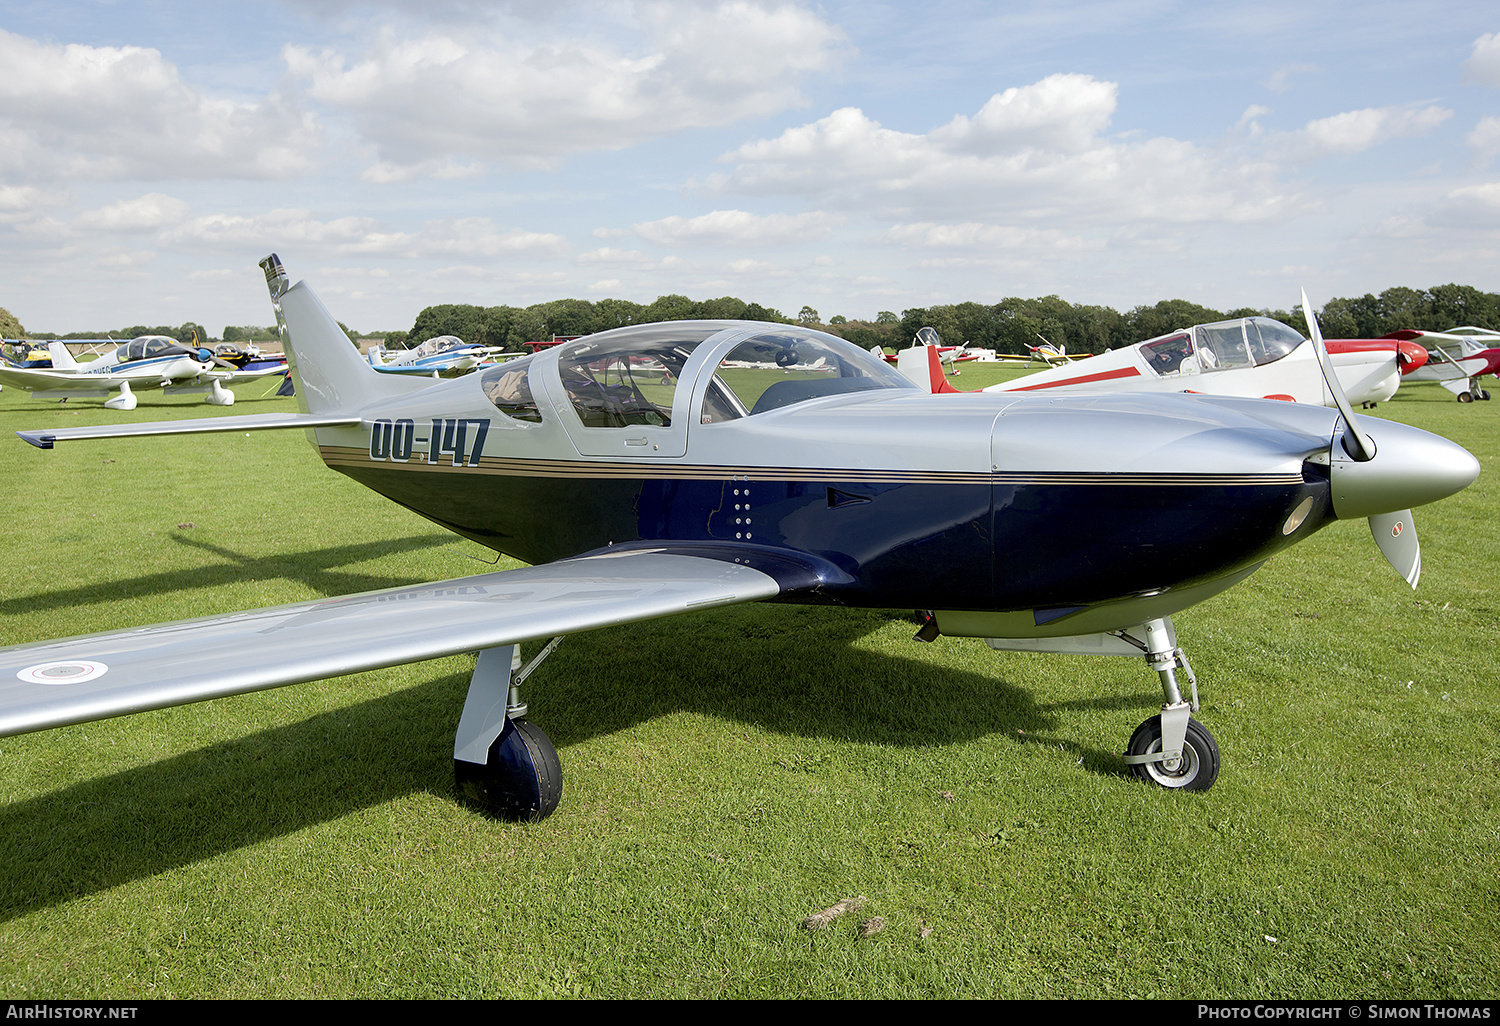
230, 376
73, 680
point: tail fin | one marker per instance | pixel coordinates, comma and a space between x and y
61, 358
329, 374
922, 365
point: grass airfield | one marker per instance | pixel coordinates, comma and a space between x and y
728, 773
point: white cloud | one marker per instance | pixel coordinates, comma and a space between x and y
1281, 79
1471, 207
1032, 154
611, 255
1484, 139
986, 237
1061, 113
1251, 119
364, 236
1483, 65
439, 102
144, 213
1358, 130
737, 228
86, 112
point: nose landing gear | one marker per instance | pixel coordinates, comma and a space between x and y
1171, 749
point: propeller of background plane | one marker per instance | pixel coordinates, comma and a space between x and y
1356, 490
210, 357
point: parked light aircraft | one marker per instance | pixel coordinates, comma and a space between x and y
928, 336
445, 356
151, 361
248, 357
746, 475
1248, 356
24, 353
1051, 355
1457, 358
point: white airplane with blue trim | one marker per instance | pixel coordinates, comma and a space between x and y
445, 356
771, 462
150, 361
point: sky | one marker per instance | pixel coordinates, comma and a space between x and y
851, 157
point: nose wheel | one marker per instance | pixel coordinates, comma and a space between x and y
1195, 768
1172, 749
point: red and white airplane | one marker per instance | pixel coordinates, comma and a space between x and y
928, 337
1248, 356
1456, 358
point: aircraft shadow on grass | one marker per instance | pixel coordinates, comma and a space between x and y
314, 568
101, 833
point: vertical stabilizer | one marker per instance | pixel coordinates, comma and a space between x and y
61, 358
330, 375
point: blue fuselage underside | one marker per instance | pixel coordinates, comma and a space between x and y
979, 546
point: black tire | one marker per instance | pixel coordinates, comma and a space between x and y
521, 781
1484, 395
1465, 397
1198, 769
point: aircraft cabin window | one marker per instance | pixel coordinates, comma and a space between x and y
630, 379
1245, 342
508, 386
1270, 340
1221, 346
150, 346
1166, 356
778, 369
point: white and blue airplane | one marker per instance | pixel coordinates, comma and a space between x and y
445, 356
772, 463
150, 361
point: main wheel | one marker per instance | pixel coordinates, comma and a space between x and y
1195, 771
521, 780
1465, 397
1484, 394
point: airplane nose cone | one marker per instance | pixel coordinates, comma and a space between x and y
1411, 468
1410, 356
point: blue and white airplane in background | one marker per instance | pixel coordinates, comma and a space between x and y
770, 462
446, 356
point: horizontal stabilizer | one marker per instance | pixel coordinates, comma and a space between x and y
75, 680
43, 438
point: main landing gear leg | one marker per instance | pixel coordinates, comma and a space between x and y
1172, 749
504, 763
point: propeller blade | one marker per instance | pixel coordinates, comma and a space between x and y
1396, 534
1362, 448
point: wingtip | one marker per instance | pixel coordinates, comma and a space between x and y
40, 439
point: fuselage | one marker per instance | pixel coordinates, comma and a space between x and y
756, 440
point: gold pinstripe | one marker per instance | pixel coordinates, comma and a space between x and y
349, 456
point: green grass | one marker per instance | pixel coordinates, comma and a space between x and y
730, 772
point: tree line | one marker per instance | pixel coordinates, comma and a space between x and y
1008, 326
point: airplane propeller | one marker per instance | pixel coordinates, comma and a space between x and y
1363, 449
1411, 472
